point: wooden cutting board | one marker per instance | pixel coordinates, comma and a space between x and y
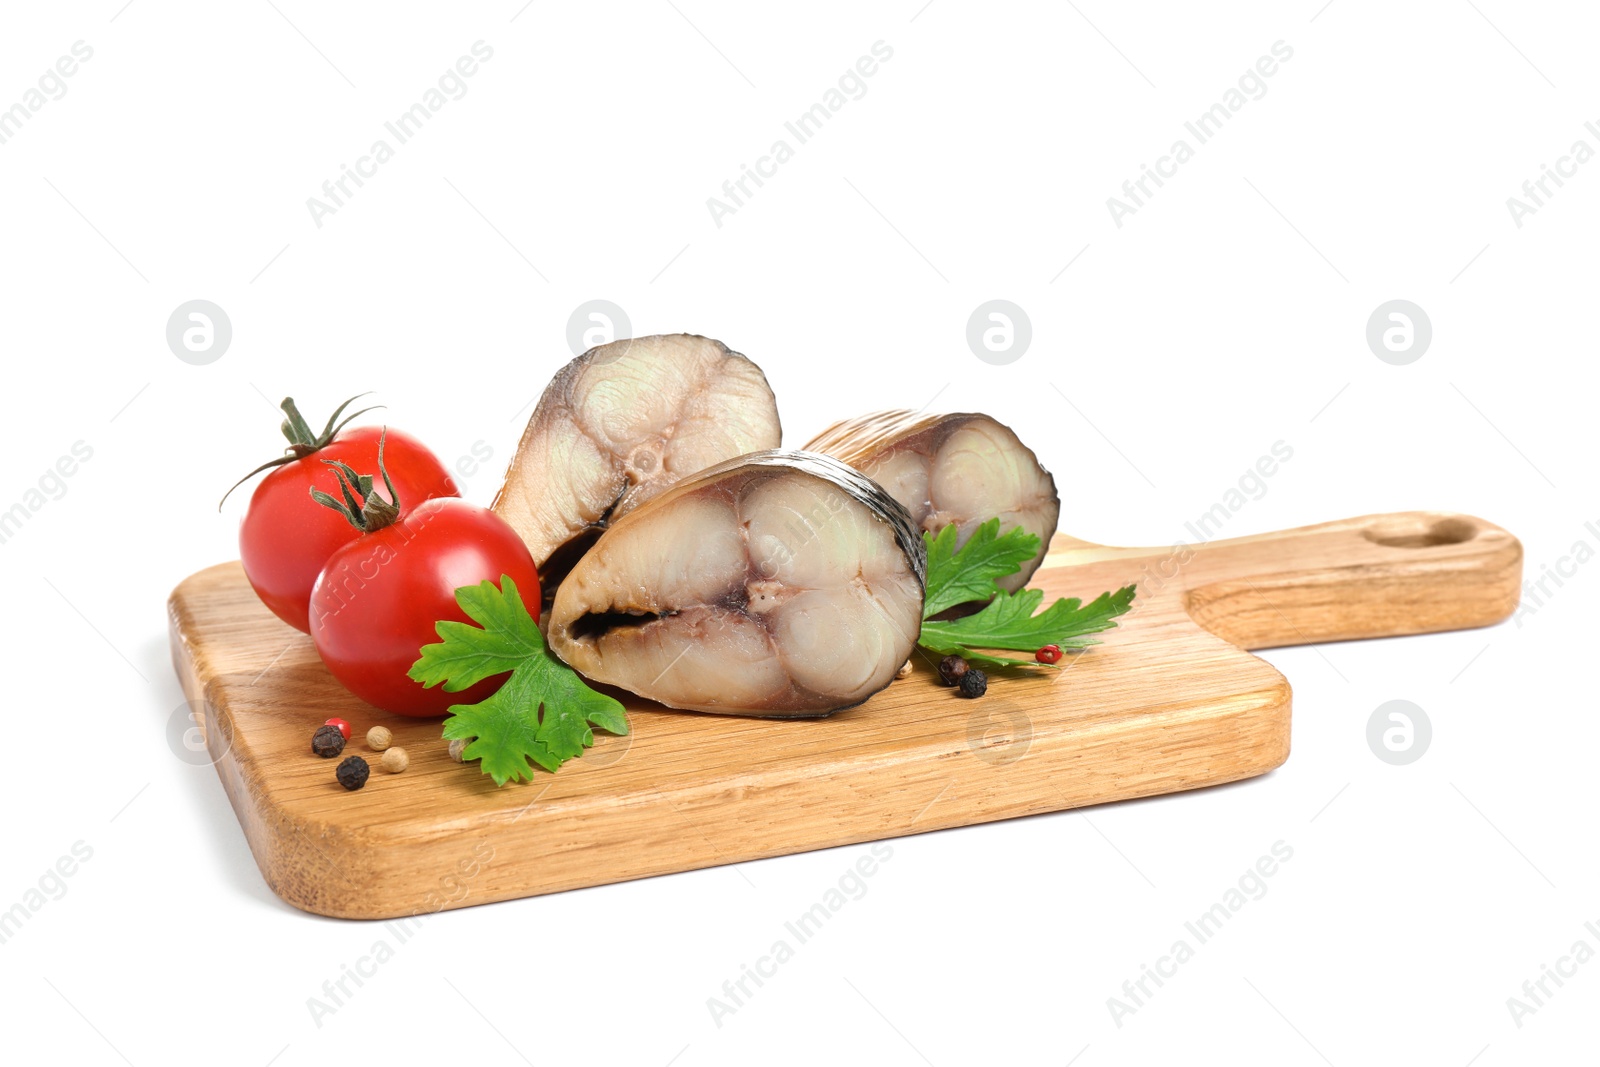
1169, 701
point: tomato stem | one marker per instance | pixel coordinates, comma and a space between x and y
296, 429
373, 513
302, 440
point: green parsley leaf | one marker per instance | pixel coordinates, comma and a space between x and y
543, 711
968, 575
1007, 621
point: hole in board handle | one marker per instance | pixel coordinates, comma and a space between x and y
1440, 532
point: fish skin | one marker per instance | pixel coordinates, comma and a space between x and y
777, 584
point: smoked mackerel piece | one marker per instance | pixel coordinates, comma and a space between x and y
964, 469
778, 584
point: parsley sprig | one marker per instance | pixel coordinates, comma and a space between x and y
542, 713
1008, 621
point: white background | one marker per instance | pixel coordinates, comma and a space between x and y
1227, 314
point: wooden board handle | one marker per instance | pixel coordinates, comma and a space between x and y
1376, 576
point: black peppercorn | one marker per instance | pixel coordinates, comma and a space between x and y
951, 668
352, 773
974, 683
327, 742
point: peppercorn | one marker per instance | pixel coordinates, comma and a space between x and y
457, 746
1048, 654
327, 742
353, 772
951, 668
344, 727
974, 683
904, 671
379, 738
395, 760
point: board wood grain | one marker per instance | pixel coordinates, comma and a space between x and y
1170, 701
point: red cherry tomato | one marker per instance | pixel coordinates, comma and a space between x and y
286, 537
379, 597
